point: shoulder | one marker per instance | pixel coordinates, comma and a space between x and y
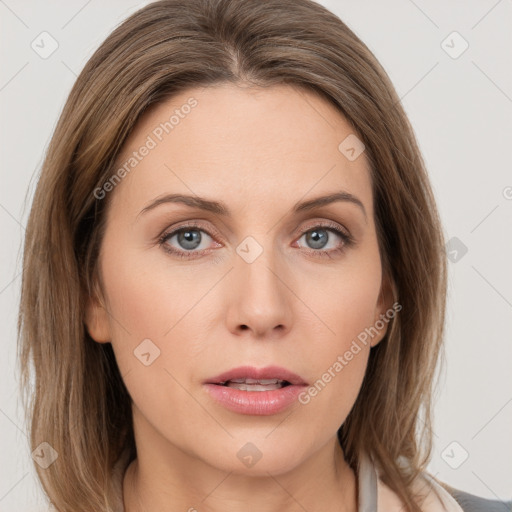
437, 496
472, 503
441, 497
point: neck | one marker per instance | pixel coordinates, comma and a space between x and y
164, 478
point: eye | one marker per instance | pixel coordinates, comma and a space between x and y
319, 237
186, 241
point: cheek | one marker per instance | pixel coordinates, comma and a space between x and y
339, 345
151, 299
338, 364
156, 323
344, 298
147, 293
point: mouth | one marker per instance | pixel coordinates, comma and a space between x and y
252, 376
249, 390
255, 384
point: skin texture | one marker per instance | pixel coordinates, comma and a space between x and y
258, 150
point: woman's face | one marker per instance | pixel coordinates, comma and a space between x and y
257, 277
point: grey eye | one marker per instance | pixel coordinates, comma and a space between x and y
188, 239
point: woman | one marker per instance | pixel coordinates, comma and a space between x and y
235, 280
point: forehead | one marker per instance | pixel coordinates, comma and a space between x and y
242, 143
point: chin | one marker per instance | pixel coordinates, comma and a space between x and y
260, 456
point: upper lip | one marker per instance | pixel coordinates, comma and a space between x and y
250, 372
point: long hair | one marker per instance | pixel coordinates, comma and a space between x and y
78, 403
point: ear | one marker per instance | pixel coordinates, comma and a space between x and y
96, 316
384, 310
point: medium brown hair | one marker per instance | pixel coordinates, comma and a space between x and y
79, 403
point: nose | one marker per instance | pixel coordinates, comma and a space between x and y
260, 299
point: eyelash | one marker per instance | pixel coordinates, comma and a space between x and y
348, 241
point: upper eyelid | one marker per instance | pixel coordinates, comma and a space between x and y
191, 224
199, 226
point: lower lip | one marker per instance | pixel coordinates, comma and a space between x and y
260, 403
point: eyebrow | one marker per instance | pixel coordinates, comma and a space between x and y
220, 208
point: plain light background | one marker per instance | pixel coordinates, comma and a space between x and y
459, 101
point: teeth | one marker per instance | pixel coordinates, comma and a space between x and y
246, 384
263, 382
270, 381
254, 387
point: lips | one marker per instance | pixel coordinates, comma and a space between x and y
251, 376
255, 391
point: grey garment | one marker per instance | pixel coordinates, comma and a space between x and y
471, 503
367, 493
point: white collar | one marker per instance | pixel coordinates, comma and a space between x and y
375, 496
